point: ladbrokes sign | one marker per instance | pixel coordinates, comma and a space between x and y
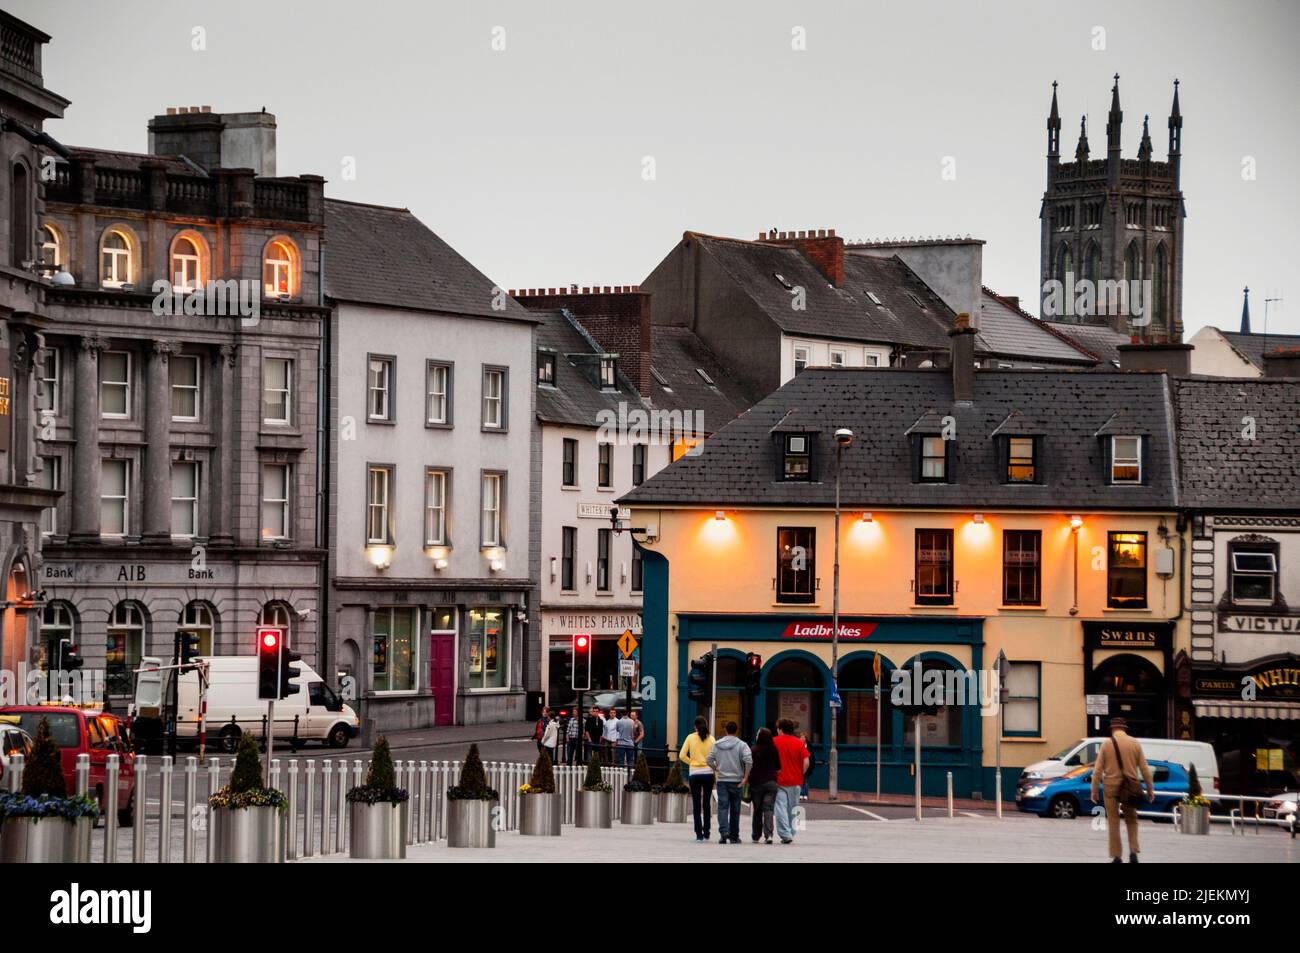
850, 631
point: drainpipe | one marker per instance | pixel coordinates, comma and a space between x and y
1074, 532
323, 635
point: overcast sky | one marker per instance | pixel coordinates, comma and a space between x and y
530, 160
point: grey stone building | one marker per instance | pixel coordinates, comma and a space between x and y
433, 478
25, 105
178, 395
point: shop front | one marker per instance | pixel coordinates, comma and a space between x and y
606, 627
1126, 675
1250, 712
795, 682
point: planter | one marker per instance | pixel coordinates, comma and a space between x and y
248, 835
638, 807
540, 814
594, 809
1195, 820
471, 823
673, 808
45, 840
378, 831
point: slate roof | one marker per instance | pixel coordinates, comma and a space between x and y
1253, 347
737, 465
1100, 340
1220, 468
117, 159
386, 256
769, 272
678, 355
576, 398
1008, 332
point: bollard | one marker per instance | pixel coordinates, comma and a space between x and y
309, 813
326, 803
422, 817
342, 816
14, 777
165, 811
83, 774
291, 833
187, 816
997, 784
358, 773
275, 773
214, 782
111, 772
141, 801
950, 814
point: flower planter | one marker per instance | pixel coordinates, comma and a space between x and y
378, 831
638, 807
45, 840
540, 814
471, 823
594, 809
673, 807
248, 835
1195, 820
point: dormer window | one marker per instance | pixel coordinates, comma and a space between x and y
1125, 459
608, 373
934, 460
796, 462
1022, 460
546, 367
801, 358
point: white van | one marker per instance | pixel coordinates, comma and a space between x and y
1186, 753
314, 713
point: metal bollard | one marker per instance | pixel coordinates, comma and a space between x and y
141, 803
950, 814
83, 774
291, 833
214, 782
341, 814
165, 810
309, 813
326, 803
422, 835
111, 772
275, 773
187, 817
14, 777
358, 773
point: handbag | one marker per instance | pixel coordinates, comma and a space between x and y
745, 795
1130, 791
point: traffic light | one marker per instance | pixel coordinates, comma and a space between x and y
582, 663
753, 673
189, 646
287, 658
700, 680
268, 662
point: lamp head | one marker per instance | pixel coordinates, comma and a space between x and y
844, 436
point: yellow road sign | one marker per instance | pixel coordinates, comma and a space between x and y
627, 643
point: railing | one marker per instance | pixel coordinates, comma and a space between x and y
1236, 817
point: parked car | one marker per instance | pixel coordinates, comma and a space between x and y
1071, 795
95, 733
13, 740
1281, 807
1084, 751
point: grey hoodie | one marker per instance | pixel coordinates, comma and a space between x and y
730, 757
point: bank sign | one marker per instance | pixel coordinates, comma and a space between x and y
822, 631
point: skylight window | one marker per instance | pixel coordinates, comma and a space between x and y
781, 278
706, 378
874, 299
660, 378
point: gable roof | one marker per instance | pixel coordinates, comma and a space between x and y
737, 465
1100, 340
677, 355
1254, 346
386, 256
576, 398
1220, 468
1007, 331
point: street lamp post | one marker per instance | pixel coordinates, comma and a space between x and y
843, 438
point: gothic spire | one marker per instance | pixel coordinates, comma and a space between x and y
1115, 118
1245, 311
1145, 150
1175, 126
1054, 127
1081, 151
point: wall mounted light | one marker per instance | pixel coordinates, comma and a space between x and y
440, 564
1076, 522
978, 518
720, 515
554, 560
867, 518
497, 564
381, 557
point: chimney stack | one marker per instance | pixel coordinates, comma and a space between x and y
1173, 359
617, 318
963, 359
1282, 362
821, 246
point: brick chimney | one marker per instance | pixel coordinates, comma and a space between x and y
820, 245
1173, 359
963, 358
617, 318
1282, 362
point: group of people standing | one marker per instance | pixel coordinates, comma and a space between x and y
772, 773
617, 737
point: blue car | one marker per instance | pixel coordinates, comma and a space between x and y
1071, 795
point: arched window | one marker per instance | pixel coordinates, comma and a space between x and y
1064, 262
116, 259
51, 246
57, 623
187, 262
278, 614
280, 268
124, 647
1160, 287
856, 724
1092, 274
199, 616
20, 222
942, 729
795, 690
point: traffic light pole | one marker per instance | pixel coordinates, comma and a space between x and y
713, 686
174, 704
270, 741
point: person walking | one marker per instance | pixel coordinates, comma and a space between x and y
699, 778
812, 763
572, 744
625, 742
794, 764
731, 760
550, 738
639, 737
594, 730
1120, 768
610, 738
539, 729
762, 785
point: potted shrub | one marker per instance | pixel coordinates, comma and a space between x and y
539, 804
674, 798
40, 823
638, 805
378, 809
595, 807
247, 817
472, 806
1195, 806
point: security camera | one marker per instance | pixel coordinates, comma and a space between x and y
844, 436
304, 614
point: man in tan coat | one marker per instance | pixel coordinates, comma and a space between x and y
1109, 770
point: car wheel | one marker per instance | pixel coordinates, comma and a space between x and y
126, 815
230, 739
338, 736
1063, 806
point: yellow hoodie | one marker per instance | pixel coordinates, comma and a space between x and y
695, 751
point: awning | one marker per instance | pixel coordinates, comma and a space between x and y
1279, 711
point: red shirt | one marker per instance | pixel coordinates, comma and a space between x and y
792, 752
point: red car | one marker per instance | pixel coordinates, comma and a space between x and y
86, 731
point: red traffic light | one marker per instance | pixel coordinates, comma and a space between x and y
581, 641
268, 639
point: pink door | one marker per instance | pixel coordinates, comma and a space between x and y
442, 678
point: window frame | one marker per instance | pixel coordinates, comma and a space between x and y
416, 631
498, 477
285, 504
604, 549
189, 262
442, 476
1018, 463
794, 595
1113, 572
604, 465
287, 390
947, 569
569, 463
568, 558
288, 265
387, 364
637, 581
124, 500
448, 370
502, 399
120, 258
195, 508
382, 509
1037, 699
53, 465
788, 455
51, 397
1035, 570
1258, 549
546, 367
795, 362
1134, 461
196, 387
124, 385
925, 443
608, 373
638, 463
